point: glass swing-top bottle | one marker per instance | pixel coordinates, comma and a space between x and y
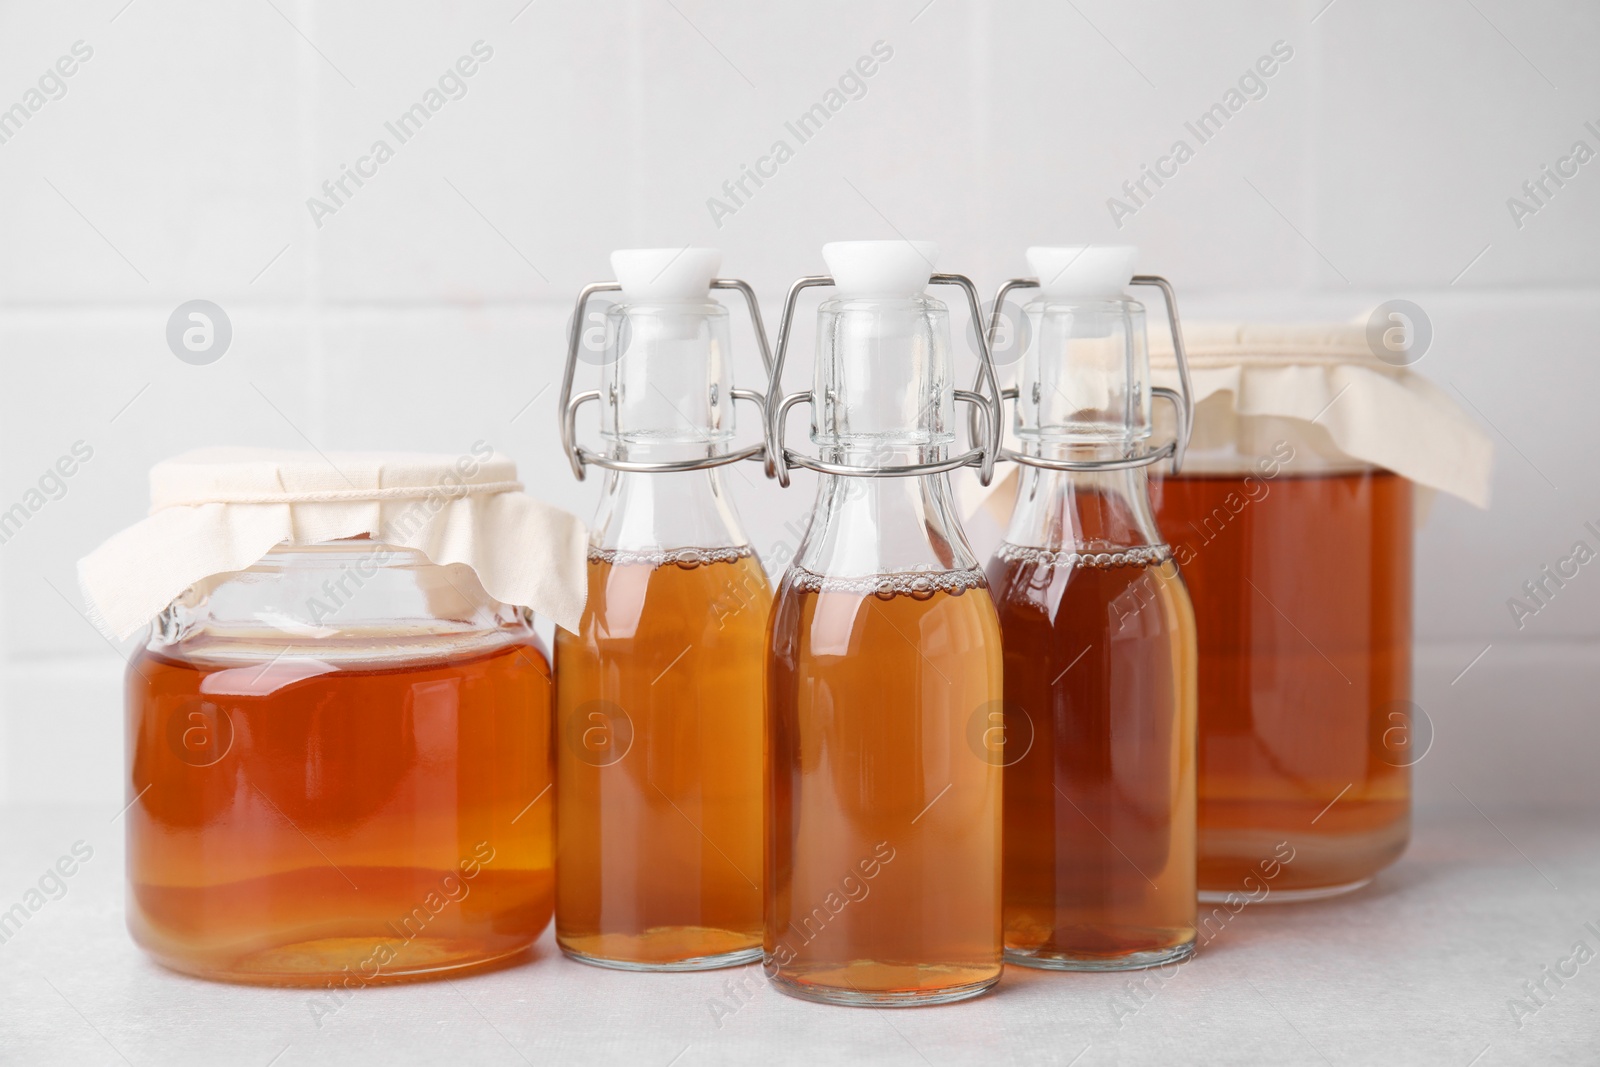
883, 850
658, 703
1100, 659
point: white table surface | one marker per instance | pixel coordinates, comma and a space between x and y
1420, 967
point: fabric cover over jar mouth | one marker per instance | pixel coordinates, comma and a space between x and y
220, 510
1318, 384
1323, 383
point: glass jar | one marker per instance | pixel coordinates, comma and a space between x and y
1298, 560
339, 756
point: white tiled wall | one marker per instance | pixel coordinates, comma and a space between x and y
428, 310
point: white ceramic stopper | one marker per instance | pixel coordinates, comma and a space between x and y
650, 274
1083, 272
880, 269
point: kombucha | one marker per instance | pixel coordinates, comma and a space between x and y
879, 797
1302, 594
659, 760
1099, 735
304, 819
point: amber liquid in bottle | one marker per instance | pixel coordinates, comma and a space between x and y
659, 759
1301, 587
1099, 750
880, 792
304, 821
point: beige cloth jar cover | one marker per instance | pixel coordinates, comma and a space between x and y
220, 510
1318, 385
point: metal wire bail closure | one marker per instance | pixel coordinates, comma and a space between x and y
1182, 401
579, 456
985, 450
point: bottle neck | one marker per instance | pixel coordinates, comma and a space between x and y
1082, 511
666, 383
884, 396
861, 527
654, 513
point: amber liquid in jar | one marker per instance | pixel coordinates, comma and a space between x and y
1099, 775
885, 813
659, 711
315, 821
1302, 595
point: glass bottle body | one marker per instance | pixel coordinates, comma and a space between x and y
1302, 586
660, 749
1099, 722
883, 864
339, 801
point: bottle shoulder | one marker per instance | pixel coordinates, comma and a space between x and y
956, 626
659, 513
1089, 592
707, 597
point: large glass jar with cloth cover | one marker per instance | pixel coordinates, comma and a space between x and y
1293, 522
338, 725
